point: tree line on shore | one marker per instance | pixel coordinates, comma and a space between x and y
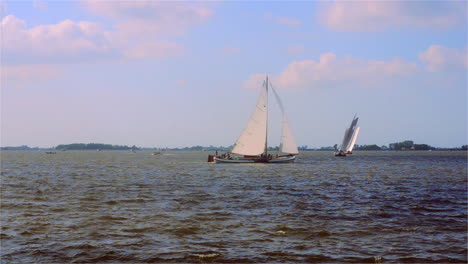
406, 145
94, 146
397, 146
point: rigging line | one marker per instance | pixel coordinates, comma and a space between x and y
284, 117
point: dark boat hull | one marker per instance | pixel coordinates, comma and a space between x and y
284, 159
340, 154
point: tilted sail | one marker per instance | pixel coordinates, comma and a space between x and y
288, 143
252, 141
354, 122
345, 142
353, 140
349, 134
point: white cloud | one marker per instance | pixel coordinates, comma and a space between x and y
140, 30
330, 70
439, 58
151, 17
380, 15
67, 40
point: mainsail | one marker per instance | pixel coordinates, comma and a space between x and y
350, 136
346, 138
353, 140
287, 144
252, 141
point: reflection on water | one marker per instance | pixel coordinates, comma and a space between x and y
116, 206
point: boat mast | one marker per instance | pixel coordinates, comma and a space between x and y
266, 131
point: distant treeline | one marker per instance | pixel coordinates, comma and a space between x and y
405, 145
23, 147
409, 145
400, 146
94, 146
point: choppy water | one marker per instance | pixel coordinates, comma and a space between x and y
374, 207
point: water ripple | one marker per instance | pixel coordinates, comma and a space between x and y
112, 207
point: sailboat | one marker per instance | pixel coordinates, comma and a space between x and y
349, 139
252, 145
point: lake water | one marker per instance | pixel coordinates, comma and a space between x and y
114, 206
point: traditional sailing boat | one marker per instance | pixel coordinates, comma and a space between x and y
252, 144
349, 139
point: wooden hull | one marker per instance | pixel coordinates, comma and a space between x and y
285, 159
340, 154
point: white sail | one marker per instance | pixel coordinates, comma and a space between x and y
288, 143
345, 142
252, 141
349, 136
353, 140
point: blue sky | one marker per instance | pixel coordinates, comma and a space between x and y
186, 73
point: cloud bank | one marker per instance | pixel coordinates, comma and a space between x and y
139, 30
382, 15
439, 58
330, 70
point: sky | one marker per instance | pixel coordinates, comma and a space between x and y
175, 74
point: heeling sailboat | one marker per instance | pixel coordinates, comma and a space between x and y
349, 139
252, 145
349, 149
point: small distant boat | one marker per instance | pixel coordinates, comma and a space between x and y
51, 152
349, 139
252, 144
155, 153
